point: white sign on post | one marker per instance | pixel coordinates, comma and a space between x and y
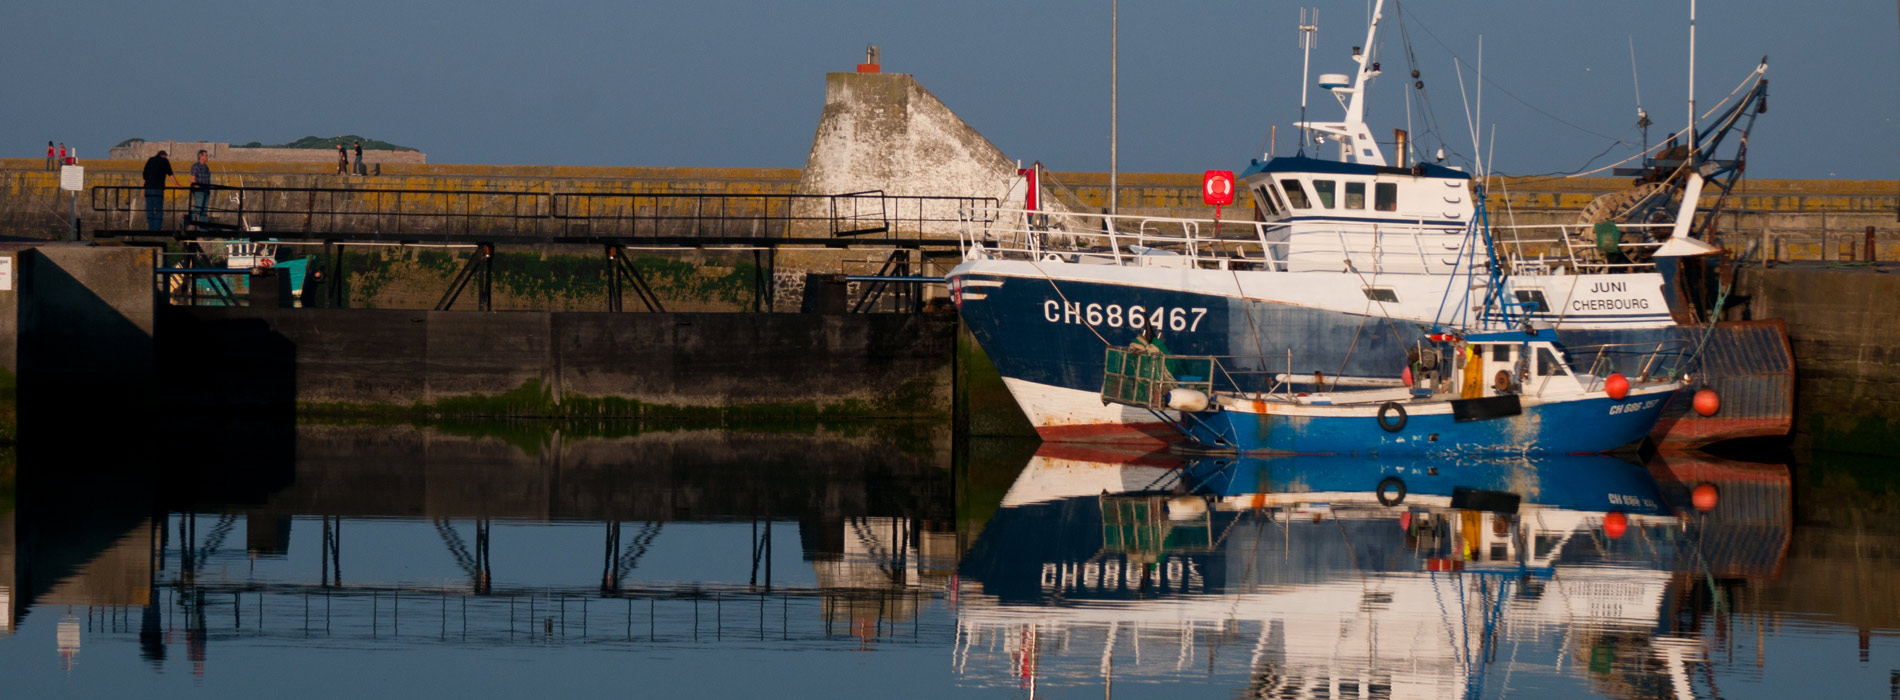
72, 178
6, 273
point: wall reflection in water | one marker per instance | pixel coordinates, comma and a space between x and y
343, 535
1029, 568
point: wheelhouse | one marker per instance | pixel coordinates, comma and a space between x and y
1291, 189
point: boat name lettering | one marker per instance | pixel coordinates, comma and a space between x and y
1138, 317
1609, 304
1601, 287
1633, 406
1111, 575
1632, 501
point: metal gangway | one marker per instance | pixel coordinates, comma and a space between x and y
913, 226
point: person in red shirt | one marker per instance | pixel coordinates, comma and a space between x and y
49, 155
62, 153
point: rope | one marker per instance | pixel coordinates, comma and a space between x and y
1411, 60
1251, 330
1065, 302
1363, 318
1752, 76
1715, 315
1507, 93
1367, 284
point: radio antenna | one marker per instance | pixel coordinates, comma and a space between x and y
1642, 116
1309, 35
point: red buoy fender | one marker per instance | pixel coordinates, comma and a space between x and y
1615, 524
1704, 497
1707, 403
1617, 386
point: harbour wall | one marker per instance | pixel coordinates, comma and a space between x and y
1844, 325
83, 340
682, 367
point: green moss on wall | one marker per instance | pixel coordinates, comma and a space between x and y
538, 279
984, 402
9, 407
9, 480
1867, 435
916, 397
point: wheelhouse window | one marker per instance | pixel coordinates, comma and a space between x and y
1295, 194
1355, 195
1324, 190
1533, 300
1263, 202
1547, 365
1381, 294
1385, 196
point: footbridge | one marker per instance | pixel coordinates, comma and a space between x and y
335, 218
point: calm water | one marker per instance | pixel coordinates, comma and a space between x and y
509, 560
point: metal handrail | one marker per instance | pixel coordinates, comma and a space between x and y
272, 210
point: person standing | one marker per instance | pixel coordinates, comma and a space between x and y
49, 156
62, 153
342, 160
359, 159
200, 188
157, 168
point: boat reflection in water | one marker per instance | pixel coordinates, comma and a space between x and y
1351, 578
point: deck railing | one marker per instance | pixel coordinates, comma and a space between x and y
1374, 248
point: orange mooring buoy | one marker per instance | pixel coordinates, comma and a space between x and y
1707, 403
1615, 524
1617, 386
1704, 497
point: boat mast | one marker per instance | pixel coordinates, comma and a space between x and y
1356, 108
1693, 145
1355, 140
1114, 102
1307, 32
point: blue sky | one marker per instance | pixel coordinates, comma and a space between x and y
740, 83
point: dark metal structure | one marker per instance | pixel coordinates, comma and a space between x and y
337, 217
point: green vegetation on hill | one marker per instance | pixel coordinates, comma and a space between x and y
347, 141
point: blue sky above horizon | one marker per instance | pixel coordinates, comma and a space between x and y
740, 83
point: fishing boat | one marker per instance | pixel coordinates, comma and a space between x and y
1508, 392
1319, 576
1344, 261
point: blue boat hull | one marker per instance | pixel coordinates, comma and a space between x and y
1591, 483
1583, 426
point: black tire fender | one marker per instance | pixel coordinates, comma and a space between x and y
1392, 426
1396, 497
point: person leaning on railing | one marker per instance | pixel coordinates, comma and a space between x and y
200, 188
157, 168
